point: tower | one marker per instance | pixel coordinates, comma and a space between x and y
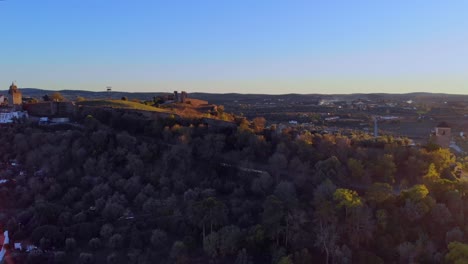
443, 135
183, 96
14, 96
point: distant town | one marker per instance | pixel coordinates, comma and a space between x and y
420, 117
115, 177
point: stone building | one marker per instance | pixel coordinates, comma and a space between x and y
51, 109
180, 98
442, 135
183, 96
14, 96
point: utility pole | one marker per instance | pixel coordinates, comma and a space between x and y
376, 127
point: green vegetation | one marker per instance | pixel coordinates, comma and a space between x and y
123, 104
124, 189
57, 97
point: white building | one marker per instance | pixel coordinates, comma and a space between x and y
9, 117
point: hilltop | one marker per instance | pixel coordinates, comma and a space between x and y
220, 98
193, 108
121, 104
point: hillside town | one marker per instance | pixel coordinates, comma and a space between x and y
419, 122
121, 180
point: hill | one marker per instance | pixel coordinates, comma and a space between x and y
195, 109
419, 97
123, 104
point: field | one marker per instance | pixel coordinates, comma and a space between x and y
182, 110
122, 104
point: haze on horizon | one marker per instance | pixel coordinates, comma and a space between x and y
273, 47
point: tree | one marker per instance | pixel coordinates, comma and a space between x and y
416, 193
286, 192
57, 97
112, 258
326, 238
457, 254
441, 214
178, 251
302, 257
277, 162
258, 124
229, 238
124, 98
86, 258
432, 174
95, 243
454, 235
342, 255
106, 231
273, 214
356, 168
116, 241
328, 169
325, 219
359, 225
262, 184
59, 257
208, 212
285, 260
384, 169
210, 244
220, 109
158, 238
112, 211
407, 252
442, 159
243, 257
347, 199
379, 192
44, 243
70, 244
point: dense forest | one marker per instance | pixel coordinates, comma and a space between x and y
122, 189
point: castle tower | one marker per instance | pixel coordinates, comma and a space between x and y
443, 135
14, 96
183, 96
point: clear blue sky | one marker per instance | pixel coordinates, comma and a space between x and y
246, 46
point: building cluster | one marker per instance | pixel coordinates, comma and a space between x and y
11, 106
180, 98
365, 104
14, 107
13, 99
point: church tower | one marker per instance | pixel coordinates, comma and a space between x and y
14, 96
442, 135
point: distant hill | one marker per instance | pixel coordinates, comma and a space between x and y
72, 94
229, 98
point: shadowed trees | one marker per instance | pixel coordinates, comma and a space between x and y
170, 191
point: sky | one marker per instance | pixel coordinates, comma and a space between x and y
242, 46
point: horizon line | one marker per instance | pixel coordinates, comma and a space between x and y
225, 93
